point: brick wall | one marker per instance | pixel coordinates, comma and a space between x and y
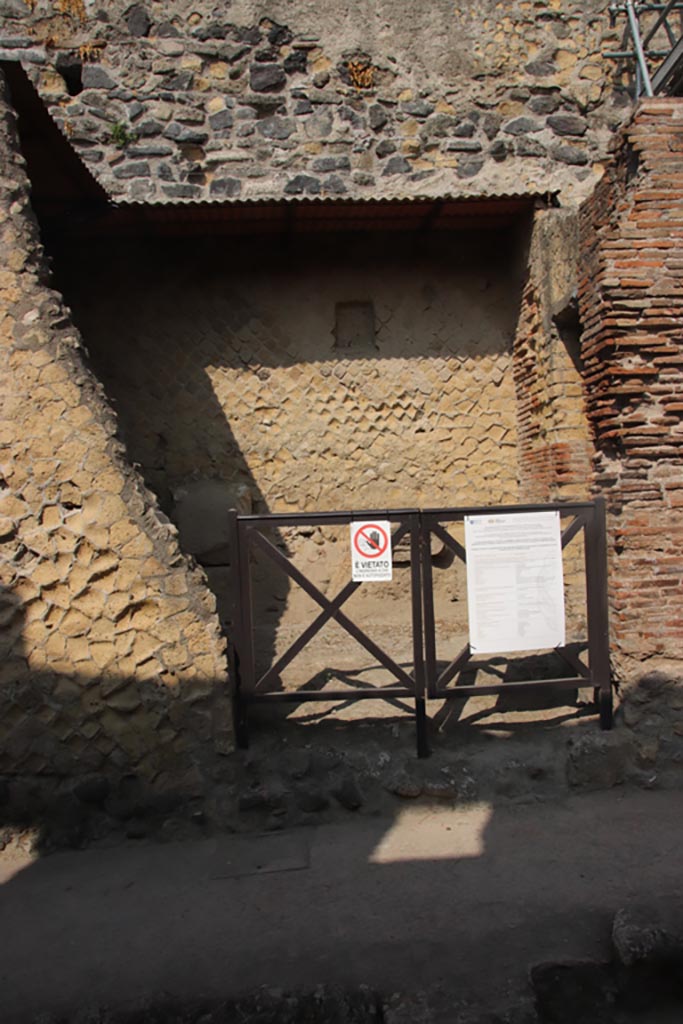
554, 452
630, 294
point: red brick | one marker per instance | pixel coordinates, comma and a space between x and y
632, 243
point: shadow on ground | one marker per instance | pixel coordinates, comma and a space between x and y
440, 912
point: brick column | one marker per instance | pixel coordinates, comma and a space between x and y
554, 440
631, 297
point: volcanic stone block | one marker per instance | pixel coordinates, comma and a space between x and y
267, 77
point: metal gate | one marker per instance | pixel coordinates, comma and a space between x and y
423, 679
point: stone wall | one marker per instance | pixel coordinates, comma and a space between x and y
236, 380
166, 102
240, 369
112, 660
329, 372
630, 296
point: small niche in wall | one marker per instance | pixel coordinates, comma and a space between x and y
354, 327
71, 70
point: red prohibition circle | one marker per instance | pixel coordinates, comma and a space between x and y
361, 533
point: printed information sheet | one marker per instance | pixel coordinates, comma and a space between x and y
515, 587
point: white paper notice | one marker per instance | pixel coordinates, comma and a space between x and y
515, 589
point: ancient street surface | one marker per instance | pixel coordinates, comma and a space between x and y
457, 901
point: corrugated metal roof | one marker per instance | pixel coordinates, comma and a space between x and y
344, 200
449, 212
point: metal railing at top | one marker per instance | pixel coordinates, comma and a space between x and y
652, 44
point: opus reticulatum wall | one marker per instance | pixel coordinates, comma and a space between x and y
112, 659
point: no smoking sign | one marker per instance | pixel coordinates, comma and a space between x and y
371, 551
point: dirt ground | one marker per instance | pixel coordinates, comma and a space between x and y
438, 906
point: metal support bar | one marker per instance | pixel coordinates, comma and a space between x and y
661, 21
651, 79
455, 666
668, 68
417, 557
571, 657
642, 63
598, 621
450, 542
574, 527
493, 689
339, 616
428, 604
237, 640
631, 54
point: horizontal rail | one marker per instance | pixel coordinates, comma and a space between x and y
452, 514
486, 689
619, 8
398, 515
631, 54
331, 518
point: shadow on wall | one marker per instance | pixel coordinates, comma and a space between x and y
276, 375
81, 755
